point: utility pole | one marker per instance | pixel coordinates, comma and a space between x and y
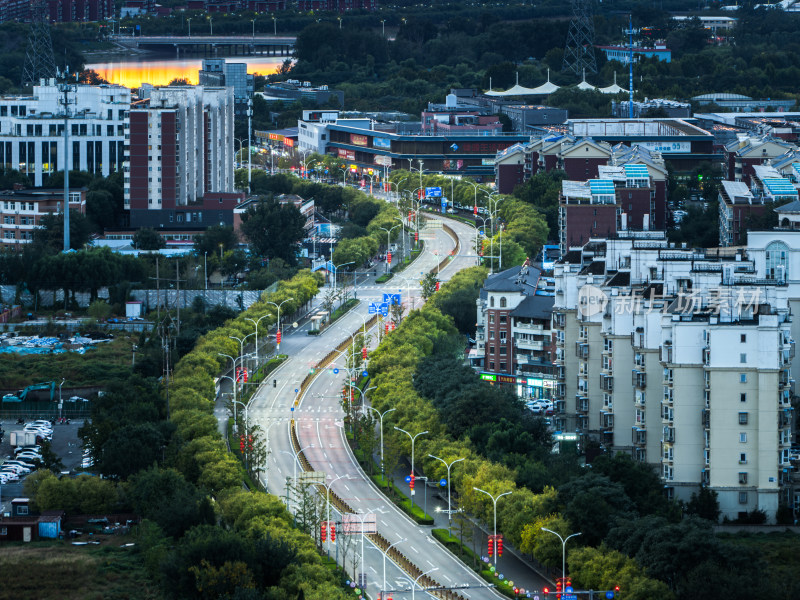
177, 281
66, 88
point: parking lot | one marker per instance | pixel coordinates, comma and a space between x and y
65, 443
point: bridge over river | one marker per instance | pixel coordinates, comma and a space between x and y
211, 45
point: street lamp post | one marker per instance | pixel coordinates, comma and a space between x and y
414, 584
564, 541
256, 322
403, 236
241, 343
388, 234
296, 460
328, 503
233, 381
413, 441
274, 25
249, 142
449, 511
189, 20
385, 554
277, 345
336, 271
494, 500
383, 27
253, 21
246, 420
380, 420
61, 403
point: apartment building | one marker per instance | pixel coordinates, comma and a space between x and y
32, 130
709, 342
514, 343
179, 158
22, 210
746, 152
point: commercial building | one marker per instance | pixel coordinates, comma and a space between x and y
179, 158
652, 107
22, 210
217, 72
623, 53
454, 118
513, 339
707, 340
526, 116
742, 103
32, 130
360, 144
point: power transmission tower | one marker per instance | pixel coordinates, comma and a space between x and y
579, 52
39, 60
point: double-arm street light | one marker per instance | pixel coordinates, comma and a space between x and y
449, 510
385, 554
256, 322
277, 337
494, 500
413, 441
414, 584
336, 270
328, 503
380, 420
296, 456
388, 241
564, 541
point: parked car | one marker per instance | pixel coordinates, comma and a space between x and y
30, 455
7, 477
21, 463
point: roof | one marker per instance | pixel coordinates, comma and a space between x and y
736, 189
534, 307
603, 187
792, 207
518, 90
620, 279
780, 186
515, 279
612, 89
636, 171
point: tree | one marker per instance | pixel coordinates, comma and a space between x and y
429, 285
274, 230
130, 449
592, 503
50, 236
216, 236
101, 209
148, 238
704, 504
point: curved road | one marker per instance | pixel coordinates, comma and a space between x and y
319, 423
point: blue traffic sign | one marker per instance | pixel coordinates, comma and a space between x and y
443, 482
296, 390
408, 478
568, 589
292, 409
433, 192
365, 373
609, 595
453, 147
336, 371
391, 298
373, 308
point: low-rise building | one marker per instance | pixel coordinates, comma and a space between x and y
22, 210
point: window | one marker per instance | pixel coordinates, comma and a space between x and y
503, 367
742, 497
502, 319
777, 254
743, 458
743, 397
503, 302
742, 438
503, 349
22, 510
742, 418
491, 301
742, 377
491, 349
491, 366
743, 338
491, 318
3, 530
491, 335
503, 338
743, 358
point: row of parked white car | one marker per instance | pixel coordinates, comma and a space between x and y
540, 407
26, 458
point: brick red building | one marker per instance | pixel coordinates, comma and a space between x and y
747, 152
22, 210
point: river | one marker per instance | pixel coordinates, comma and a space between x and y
133, 71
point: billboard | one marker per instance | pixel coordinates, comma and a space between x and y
352, 524
667, 147
384, 161
346, 154
358, 140
382, 143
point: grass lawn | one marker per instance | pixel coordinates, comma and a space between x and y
59, 570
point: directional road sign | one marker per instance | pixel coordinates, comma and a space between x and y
391, 298
433, 192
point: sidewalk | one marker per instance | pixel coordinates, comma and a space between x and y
512, 565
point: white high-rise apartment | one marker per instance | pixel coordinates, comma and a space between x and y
32, 129
708, 342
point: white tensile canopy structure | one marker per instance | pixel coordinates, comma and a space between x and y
518, 90
585, 85
612, 89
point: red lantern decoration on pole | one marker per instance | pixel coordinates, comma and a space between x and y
364, 353
278, 337
323, 531
491, 545
333, 532
389, 257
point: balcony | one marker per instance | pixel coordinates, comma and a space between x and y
607, 383
559, 320
705, 476
784, 398
638, 436
640, 454
668, 435
525, 344
706, 357
533, 328
606, 420
560, 407
665, 352
668, 395
581, 404
639, 379
639, 399
560, 372
582, 350
705, 418
583, 422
